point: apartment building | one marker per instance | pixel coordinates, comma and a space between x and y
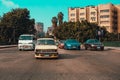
93, 14
39, 26
73, 14
107, 15
118, 16
82, 12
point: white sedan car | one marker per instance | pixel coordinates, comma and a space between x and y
46, 48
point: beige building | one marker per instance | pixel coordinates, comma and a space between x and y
107, 15
73, 14
118, 16
39, 26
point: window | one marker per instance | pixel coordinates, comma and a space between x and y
93, 13
104, 22
93, 18
73, 19
81, 13
45, 42
104, 16
81, 8
106, 10
26, 37
72, 14
82, 19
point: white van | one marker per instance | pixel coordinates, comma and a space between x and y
26, 42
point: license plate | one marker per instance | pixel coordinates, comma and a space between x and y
25, 46
73, 47
46, 55
98, 47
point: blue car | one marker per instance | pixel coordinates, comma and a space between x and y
72, 44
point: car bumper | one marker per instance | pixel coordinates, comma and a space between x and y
26, 47
97, 47
73, 47
50, 55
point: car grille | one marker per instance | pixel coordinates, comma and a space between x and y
46, 50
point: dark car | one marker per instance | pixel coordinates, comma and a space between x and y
93, 44
72, 44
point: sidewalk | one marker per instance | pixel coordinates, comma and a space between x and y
7, 46
109, 48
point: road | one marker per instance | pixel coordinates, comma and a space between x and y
71, 65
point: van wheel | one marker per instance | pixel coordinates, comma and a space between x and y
20, 50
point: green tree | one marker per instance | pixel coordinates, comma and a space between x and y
60, 18
77, 30
54, 22
17, 22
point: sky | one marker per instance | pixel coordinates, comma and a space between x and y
44, 10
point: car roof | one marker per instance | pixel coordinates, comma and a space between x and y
27, 35
92, 39
45, 39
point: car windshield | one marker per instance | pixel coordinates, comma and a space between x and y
62, 41
93, 41
26, 38
45, 42
72, 41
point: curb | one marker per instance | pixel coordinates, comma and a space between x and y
7, 46
112, 48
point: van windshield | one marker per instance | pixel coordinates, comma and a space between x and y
26, 38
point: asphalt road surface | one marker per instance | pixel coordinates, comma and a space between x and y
71, 65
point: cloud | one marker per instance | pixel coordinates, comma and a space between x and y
9, 4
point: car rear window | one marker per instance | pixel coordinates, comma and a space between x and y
45, 42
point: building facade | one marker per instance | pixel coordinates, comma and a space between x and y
73, 14
39, 27
107, 15
50, 31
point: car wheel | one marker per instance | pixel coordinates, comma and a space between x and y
19, 49
85, 48
65, 48
102, 49
79, 48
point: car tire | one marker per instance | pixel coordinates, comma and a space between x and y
65, 48
20, 49
79, 48
85, 48
102, 49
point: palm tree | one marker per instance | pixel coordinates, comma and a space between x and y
0, 18
54, 21
60, 18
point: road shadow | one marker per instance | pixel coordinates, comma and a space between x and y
68, 56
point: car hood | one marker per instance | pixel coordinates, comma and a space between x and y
25, 41
73, 43
46, 47
97, 43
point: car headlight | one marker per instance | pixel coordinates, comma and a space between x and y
19, 43
68, 45
37, 51
55, 50
92, 45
